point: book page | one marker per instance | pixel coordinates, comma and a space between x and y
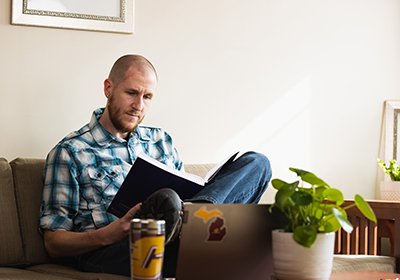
191, 177
214, 171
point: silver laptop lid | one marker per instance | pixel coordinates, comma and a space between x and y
226, 241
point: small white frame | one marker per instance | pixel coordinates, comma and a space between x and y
392, 129
95, 15
389, 149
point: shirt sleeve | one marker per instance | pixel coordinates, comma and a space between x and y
173, 152
60, 200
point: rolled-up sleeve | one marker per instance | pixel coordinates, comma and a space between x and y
60, 201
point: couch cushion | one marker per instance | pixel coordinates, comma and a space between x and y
69, 272
348, 263
27, 175
23, 274
198, 169
11, 251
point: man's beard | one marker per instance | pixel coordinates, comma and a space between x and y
117, 116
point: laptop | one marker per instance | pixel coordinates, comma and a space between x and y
227, 241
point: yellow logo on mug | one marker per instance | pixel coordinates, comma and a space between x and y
147, 257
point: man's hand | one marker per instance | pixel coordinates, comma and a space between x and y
61, 243
119, 229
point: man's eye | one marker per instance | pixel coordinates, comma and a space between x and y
148, 96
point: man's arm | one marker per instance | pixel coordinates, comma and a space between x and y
61, 243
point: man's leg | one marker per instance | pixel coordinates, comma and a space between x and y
164, 204
243, 181
114, 259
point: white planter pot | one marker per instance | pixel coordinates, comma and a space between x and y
390, 190
293, 261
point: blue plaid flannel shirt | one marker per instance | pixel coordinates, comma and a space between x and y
84, 171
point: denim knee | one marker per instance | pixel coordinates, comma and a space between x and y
257, 159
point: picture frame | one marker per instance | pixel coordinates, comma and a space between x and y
391, 130
94, 15
389, 150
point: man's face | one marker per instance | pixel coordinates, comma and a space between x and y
128, 100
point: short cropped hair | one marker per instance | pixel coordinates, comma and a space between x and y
123, 63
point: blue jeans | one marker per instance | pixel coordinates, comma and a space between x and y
243, 181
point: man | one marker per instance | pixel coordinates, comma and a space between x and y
84, 171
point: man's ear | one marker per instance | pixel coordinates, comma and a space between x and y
107, 87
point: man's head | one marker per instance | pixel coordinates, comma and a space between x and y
129, 89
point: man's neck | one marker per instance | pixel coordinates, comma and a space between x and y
127, 136
105, 121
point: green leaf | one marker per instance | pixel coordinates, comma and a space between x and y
329, 222
331, 225
302, 198
364, 207
342, 219
305, 235
278, 183
309, 177
282, 196
299, 172
335, 195
319, 212
319, 192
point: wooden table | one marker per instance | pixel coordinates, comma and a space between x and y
365, 275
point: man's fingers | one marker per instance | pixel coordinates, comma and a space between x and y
132, 212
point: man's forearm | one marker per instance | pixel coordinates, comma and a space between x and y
63, 243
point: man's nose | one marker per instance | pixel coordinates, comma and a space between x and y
138, 103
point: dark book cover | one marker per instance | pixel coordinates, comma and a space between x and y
147, 175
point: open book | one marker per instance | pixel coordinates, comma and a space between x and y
148, 175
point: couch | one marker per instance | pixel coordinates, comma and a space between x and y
22, 253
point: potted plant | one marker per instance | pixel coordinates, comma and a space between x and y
304, 249
390, 189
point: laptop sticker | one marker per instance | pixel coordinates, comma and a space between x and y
217, 228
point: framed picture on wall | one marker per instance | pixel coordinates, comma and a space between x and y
391, 130
389, 150
95, 15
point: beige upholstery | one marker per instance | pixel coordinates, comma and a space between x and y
23, 274
11, 252
198, 169
28, 189
69, 272
347, 263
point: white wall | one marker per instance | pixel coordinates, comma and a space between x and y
301, 81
